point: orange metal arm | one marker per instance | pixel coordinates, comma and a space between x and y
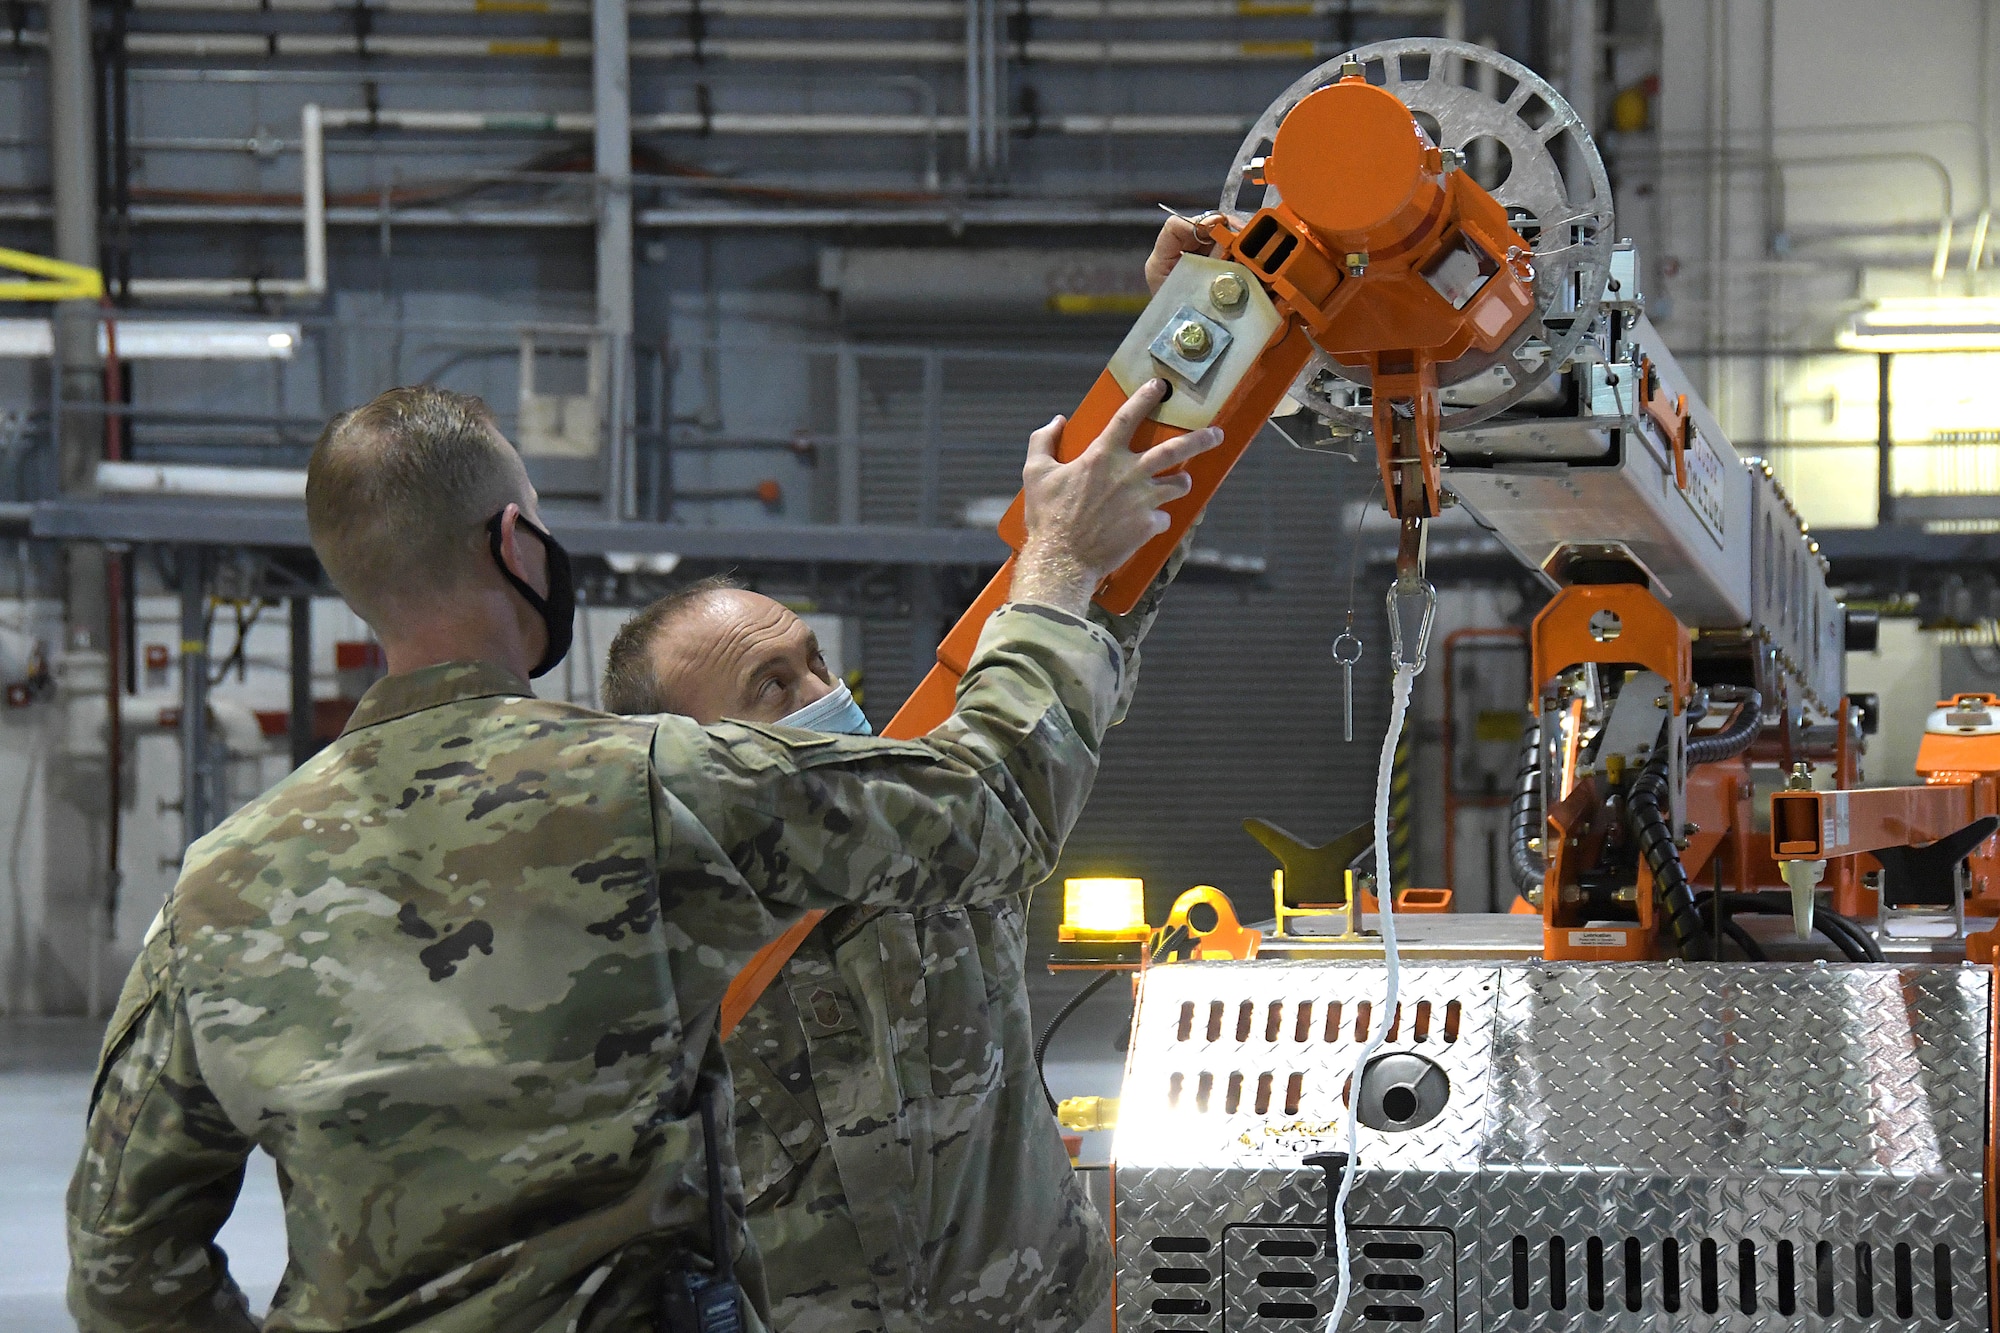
1817, 825
1240, 419
1347, 259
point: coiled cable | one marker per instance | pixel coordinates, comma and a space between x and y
1737, 736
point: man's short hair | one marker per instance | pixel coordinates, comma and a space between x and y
397, 492
631, 686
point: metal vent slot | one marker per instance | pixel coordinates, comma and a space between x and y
1182, 1275
1274, 1020
1396, 1314
1274, 1276
1333, 1021
1186, 1028
1180, 1305
1424, 1025
1182, 1244
1734, 1276
1286, 1310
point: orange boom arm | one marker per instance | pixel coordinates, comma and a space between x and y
1380, 253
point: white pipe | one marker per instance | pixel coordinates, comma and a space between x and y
254, 483
312, 209
236, 724
312, 181
259, 46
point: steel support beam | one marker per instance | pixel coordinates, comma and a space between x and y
611, 103
197, 813
301, 720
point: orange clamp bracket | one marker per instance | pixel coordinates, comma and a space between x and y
1672, 418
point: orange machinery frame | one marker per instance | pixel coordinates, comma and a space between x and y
1562, 637
1842, 826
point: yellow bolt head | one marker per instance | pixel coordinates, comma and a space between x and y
1191, 339
1227, 290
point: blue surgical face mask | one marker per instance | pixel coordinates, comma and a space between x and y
835, 713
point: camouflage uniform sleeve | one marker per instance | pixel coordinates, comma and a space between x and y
159, 1174
1130, 628
974, 810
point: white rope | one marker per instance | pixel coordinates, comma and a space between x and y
1385, 892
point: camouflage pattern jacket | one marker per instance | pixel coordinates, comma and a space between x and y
459, 975
902, 1169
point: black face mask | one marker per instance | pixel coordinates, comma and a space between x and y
558, 609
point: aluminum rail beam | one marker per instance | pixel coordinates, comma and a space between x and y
213, 522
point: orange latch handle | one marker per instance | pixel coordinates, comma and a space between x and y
1674, 422
1240, 418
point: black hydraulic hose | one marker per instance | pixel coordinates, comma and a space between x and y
1070, 1006
1174, 938
1741, 938
1646, 810
1524, 813
1735, 738
1843, 932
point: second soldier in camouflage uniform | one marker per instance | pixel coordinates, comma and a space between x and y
901, 1167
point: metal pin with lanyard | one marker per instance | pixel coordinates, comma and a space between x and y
1346, 652
708, 1302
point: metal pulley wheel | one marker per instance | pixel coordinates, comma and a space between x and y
1547, 174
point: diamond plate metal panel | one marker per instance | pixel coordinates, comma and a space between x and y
1284, 1280
1725, 1147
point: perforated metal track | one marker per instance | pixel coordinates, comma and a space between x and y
1737, 1147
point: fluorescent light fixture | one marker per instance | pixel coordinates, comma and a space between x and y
164, 340
1926, 324
25, 339
201, 340
636, 562
248, 483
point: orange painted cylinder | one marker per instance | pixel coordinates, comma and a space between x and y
1352, 164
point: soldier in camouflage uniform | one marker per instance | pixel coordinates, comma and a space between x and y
900, 1164
460, 973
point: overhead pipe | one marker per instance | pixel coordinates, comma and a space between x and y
757, 123
887, 10
312, 213
263, 46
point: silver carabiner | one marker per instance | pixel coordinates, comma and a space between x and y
1418, 599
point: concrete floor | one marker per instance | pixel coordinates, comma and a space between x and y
45, 1074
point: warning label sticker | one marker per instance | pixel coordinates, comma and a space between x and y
1597, 939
